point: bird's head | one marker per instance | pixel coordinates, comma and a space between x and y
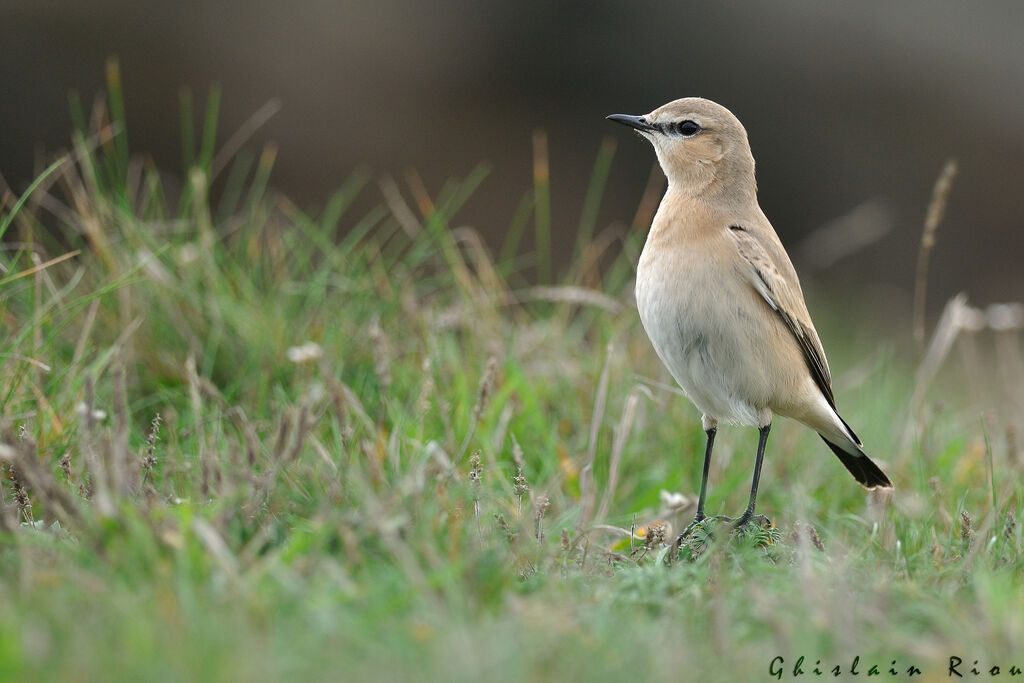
702, 147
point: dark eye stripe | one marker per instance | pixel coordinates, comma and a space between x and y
684, 129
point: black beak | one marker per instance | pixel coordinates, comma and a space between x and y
637, 122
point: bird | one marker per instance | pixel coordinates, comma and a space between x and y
720, 299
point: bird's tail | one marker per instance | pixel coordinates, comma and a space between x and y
861, 467
841, 438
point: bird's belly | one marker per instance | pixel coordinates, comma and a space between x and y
703, 343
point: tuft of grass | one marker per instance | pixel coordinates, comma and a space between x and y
241, 438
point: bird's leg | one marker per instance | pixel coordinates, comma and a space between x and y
700, 516
749, 513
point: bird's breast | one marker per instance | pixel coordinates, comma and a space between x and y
676, 296
690, 307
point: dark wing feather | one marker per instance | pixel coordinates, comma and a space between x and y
765, 257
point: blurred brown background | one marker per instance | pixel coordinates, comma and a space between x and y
847, 104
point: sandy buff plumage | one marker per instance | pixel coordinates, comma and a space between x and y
719, 297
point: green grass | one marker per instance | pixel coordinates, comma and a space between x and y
355, 516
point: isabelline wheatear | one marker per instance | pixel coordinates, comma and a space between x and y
720, 299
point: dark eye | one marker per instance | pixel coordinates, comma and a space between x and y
688, 129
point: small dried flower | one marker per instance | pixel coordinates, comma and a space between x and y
543, 503
656, 533
520, 488
483, 391
65, 466
20, 495
149, 460
476, 475
801, 529
476, 470
673, 500
520, 485
966, 529
305, 353
506, 529
83, 412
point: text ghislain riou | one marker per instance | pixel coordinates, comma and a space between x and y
957, 668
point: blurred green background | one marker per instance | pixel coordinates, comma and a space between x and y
851, 107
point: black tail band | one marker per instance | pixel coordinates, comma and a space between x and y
861, 467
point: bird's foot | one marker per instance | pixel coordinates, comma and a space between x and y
696, 537
747, 518
704, 523
689, 528
700, 533
684, 538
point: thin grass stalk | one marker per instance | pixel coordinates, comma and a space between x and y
209, 141
399, 208
516, 228
586, 476
196, 402
542, 205
936, 210
99, 476
119, 160
592, 199
7, 218
622, 431
420, 193
946, 333
37, 333
649, 199
483, 396
120, 464
186, 124
989, 457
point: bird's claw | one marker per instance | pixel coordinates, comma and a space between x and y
738, 525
